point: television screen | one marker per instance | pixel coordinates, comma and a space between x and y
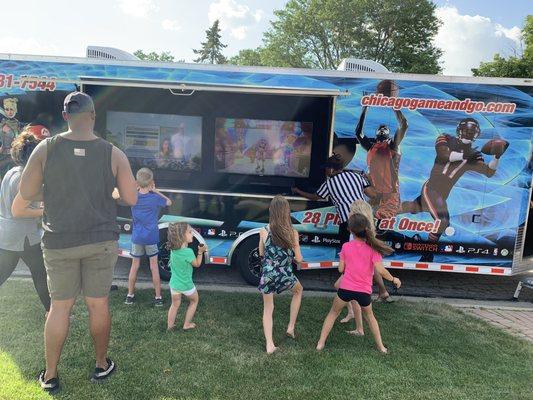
263, 147
157, 141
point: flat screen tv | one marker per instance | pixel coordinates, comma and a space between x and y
157, 141
263, 147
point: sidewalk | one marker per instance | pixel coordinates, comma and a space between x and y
517, 322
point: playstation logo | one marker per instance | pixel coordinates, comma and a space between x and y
461, 250
316, 239
223, 233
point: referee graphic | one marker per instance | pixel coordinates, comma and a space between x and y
342, 188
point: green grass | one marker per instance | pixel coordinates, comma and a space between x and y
436, 353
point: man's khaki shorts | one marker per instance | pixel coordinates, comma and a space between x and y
88, 268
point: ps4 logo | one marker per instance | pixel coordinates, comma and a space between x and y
473, 250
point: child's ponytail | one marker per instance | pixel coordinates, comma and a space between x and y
360, 227
377, 244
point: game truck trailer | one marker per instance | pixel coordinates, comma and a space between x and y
450, 157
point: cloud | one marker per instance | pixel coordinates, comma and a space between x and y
258, 15
234, 17
170, 25
138, 8
17, 45
467, 40
239, 33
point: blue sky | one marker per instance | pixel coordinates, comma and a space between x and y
472, 31
506, 12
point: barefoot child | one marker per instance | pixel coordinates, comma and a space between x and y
362, 207
279, 246
358, 259
182, 260
145, 235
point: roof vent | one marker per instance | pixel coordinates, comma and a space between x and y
109, 53
360, 65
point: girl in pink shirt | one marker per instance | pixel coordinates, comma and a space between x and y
358, 259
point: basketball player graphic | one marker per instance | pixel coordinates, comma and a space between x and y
383, 158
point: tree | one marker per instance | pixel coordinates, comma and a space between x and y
153, 56
211, 51
320, 33
247, 57
518, 66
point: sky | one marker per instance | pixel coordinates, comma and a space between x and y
471, 31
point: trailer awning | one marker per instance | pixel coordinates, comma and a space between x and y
185, 88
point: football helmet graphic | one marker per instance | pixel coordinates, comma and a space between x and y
468, 130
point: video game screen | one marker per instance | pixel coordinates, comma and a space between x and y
263, 147
157, 141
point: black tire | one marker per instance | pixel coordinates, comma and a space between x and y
164, 256
248, 261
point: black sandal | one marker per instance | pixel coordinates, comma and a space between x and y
51, 385
100, 374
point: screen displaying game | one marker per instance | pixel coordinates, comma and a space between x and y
162, 141
263, 147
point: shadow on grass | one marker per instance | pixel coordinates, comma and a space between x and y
436, 352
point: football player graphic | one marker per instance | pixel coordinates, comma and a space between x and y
383, 160
455, 156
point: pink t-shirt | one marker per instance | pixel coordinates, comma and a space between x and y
359, 259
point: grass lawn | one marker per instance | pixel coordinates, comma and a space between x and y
436, 352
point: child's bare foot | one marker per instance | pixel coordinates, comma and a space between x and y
383, 350
320, 346
348, 318
271, 349
355, 333
290, 333
186, 327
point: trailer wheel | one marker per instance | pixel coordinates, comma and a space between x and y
164, 256
248, 261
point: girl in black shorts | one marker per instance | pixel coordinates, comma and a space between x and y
358, 259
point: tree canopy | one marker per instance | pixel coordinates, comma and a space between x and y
153, 56
320, 33
517, 66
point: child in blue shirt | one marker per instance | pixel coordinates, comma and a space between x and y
145, 235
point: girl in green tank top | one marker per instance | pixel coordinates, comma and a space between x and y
182, 261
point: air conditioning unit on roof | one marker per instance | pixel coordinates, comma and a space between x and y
360, 65
109, 53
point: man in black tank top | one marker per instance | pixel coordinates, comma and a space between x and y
75, 173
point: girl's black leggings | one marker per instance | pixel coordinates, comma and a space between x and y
33, 257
